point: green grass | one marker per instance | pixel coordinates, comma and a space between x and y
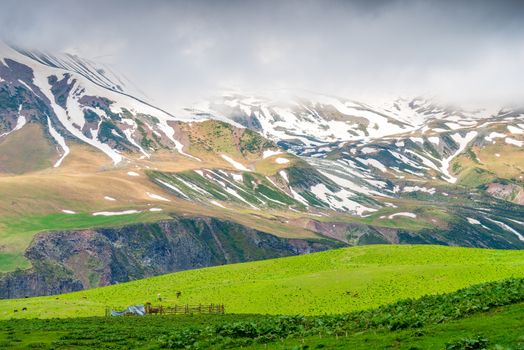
501, 326
409, 314
493, 312
336, 281
16, 233
475, 177
13, 261
128, 332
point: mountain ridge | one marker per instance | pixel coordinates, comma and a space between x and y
296, 167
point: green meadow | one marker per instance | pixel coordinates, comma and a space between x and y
331, 282
483, 316
17, 233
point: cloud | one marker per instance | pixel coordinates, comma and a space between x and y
460, 51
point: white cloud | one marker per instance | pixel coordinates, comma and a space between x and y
178, 51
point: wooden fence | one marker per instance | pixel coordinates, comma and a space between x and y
217, 309
184, 309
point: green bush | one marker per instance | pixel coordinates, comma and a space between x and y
468, 344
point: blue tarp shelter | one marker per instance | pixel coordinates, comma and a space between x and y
138, 310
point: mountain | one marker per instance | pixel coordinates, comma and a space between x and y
369, 159
84, 154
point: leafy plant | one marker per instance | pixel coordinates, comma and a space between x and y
477, 342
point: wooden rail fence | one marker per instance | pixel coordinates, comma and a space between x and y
184, 309
217, 309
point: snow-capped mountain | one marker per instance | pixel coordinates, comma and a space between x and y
310, 119
75, 100
299, 152
364, 149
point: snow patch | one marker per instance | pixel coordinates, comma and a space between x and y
115, 213
157, 197
508, 228
235, 194
281, 160
514, 142
74, 117
405, 214
20, 122
237, 177
399, 143
494, 135
339, 200
60, 140
368, 150
234, 163
374, 163
419, 189
269, 153
217, 204
473, 221
284, 175
463, 142
514, 130
434, 140
174, 188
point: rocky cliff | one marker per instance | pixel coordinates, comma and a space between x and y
74, 260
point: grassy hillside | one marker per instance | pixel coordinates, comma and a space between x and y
336, 281
18, 156
488, 315
16, 234
500, 327
497, 329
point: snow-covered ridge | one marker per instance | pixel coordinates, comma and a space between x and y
316, 119
87, 90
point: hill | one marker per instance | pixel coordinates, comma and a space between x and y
482, 316
335, 281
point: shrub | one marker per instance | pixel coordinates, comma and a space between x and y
468, 344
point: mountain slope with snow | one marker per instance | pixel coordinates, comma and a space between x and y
81, 148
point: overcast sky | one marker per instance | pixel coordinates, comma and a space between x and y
470, 52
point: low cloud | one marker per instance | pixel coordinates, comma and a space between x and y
463, 52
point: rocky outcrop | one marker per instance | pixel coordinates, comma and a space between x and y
75, 260
509, 192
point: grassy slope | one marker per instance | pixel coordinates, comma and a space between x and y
20, 231
331, 282
18, 155
35, 201
509, 164
501, 326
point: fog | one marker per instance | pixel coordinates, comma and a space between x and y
464, 52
